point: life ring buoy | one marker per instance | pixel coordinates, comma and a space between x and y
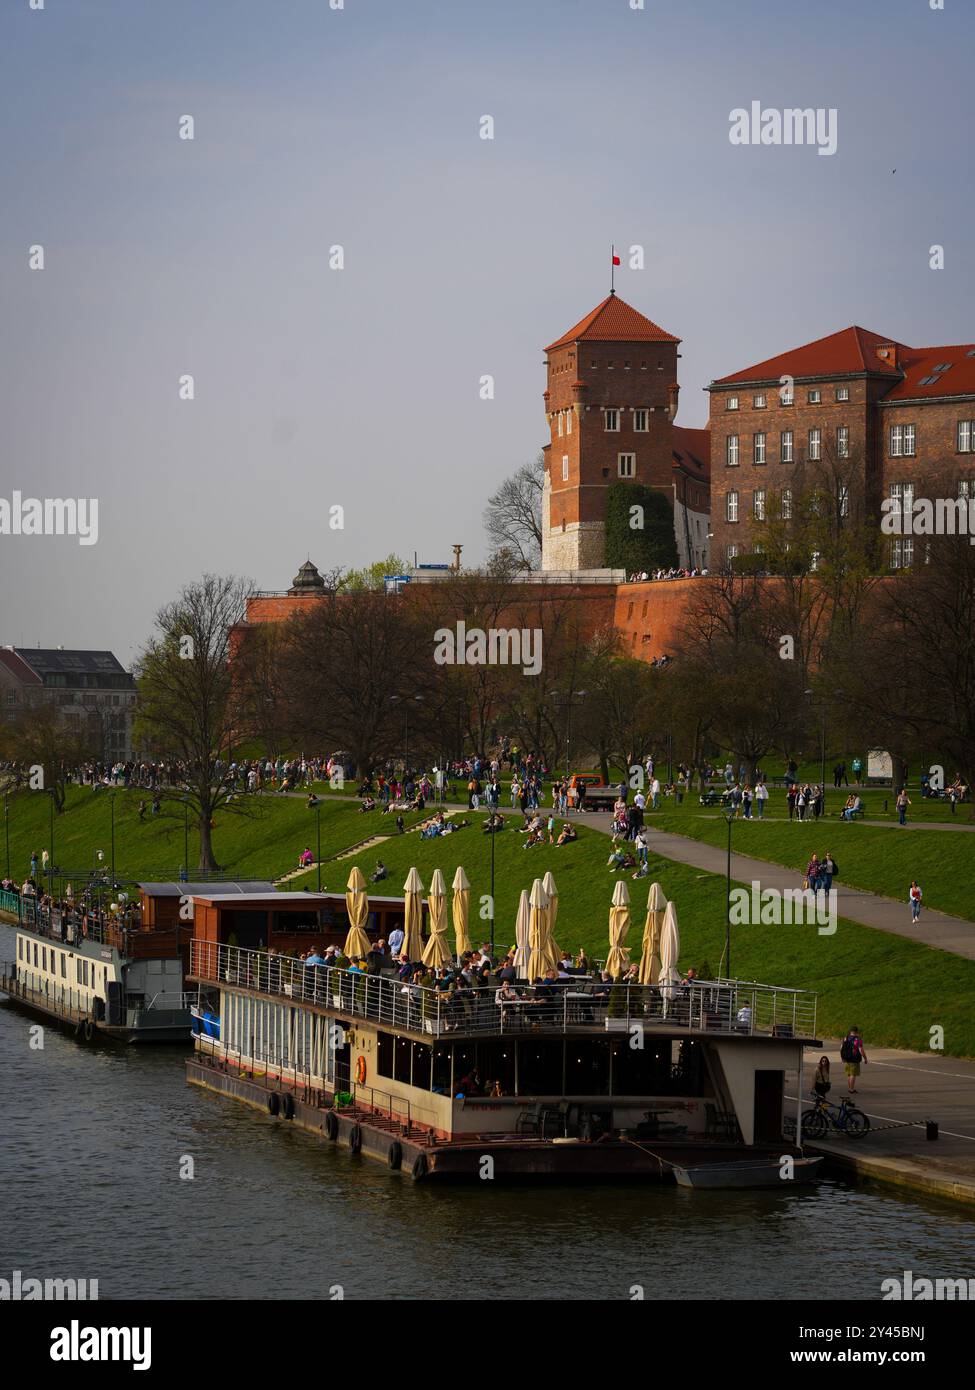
360, 1069
273, 1103
420, 1167
331, 1125
288, 1107
355, 1138
394, 1155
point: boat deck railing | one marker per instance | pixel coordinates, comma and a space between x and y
67, 925
735, 1007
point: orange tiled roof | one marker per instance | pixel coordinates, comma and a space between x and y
694, 445
851, 351
614, 321
919, 364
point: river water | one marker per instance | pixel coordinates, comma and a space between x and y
94, 1139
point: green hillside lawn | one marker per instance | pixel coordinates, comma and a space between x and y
880, 860
854, 972
264, 843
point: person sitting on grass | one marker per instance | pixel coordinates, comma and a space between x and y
369, 804
567, 835
379, 872
534, 837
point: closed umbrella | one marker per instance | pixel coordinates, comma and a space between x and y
522, 949
412, 947
619, 925
542, 952
669, 952
552, 893
436, 951
357, 943
650, 959
461, 911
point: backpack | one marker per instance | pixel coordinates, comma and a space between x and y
849, 1050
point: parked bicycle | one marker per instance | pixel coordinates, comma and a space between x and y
845, 1118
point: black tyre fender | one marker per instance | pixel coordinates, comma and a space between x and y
394, 1155
89, 1030
273, 1103
420, 1167
288, 1107
355, 1138
331, 1125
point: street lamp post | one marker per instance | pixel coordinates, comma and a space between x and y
52, 840
112, 804
6, 829
573, 697
822, 750
393, 699
729, 817
318, 841
186, 838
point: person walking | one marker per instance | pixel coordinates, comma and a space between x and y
915, 898
828, 871
902, 803
852, 1054
857, 770
821, 1082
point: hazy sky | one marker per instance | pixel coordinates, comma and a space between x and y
360, 127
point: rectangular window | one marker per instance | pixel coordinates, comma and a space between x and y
786, 394
568, 421
759, 401
815, 397
64, 966
612, 420
966, 432
843, 499
902, 441
785, 447
560, 424
758, 449
732, 552
843, 442
815, 444
842, 393
758, 504
627, 465
731, 451
731, 506
787, 504
640, 421
902, 553
966, 487
565, 468
731, 403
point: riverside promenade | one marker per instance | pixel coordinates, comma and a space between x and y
899, 1091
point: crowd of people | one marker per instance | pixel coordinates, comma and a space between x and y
675, 572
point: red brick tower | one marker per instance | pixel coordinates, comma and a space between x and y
611, 401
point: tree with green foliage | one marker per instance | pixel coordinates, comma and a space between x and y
639, 529
371, 576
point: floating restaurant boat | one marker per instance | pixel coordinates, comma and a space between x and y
580, 1080
103, 978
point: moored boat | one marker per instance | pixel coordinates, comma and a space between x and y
745, 1173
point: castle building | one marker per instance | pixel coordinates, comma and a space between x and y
610, 401
882, 419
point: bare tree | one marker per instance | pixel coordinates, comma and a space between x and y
186, 704
513, 516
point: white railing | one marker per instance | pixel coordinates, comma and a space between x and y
716, 1006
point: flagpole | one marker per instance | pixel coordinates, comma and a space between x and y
612, 270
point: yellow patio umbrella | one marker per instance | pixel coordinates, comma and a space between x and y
461, 911
412, 947
543, 956
669, 952
650, 959
357, 943
436, 951
522, 950
619, 925
548, 884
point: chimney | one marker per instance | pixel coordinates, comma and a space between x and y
457, 550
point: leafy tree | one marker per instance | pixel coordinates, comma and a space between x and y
648, 546
371, 576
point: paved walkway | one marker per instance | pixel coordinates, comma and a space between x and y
939, 929
902, 1090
